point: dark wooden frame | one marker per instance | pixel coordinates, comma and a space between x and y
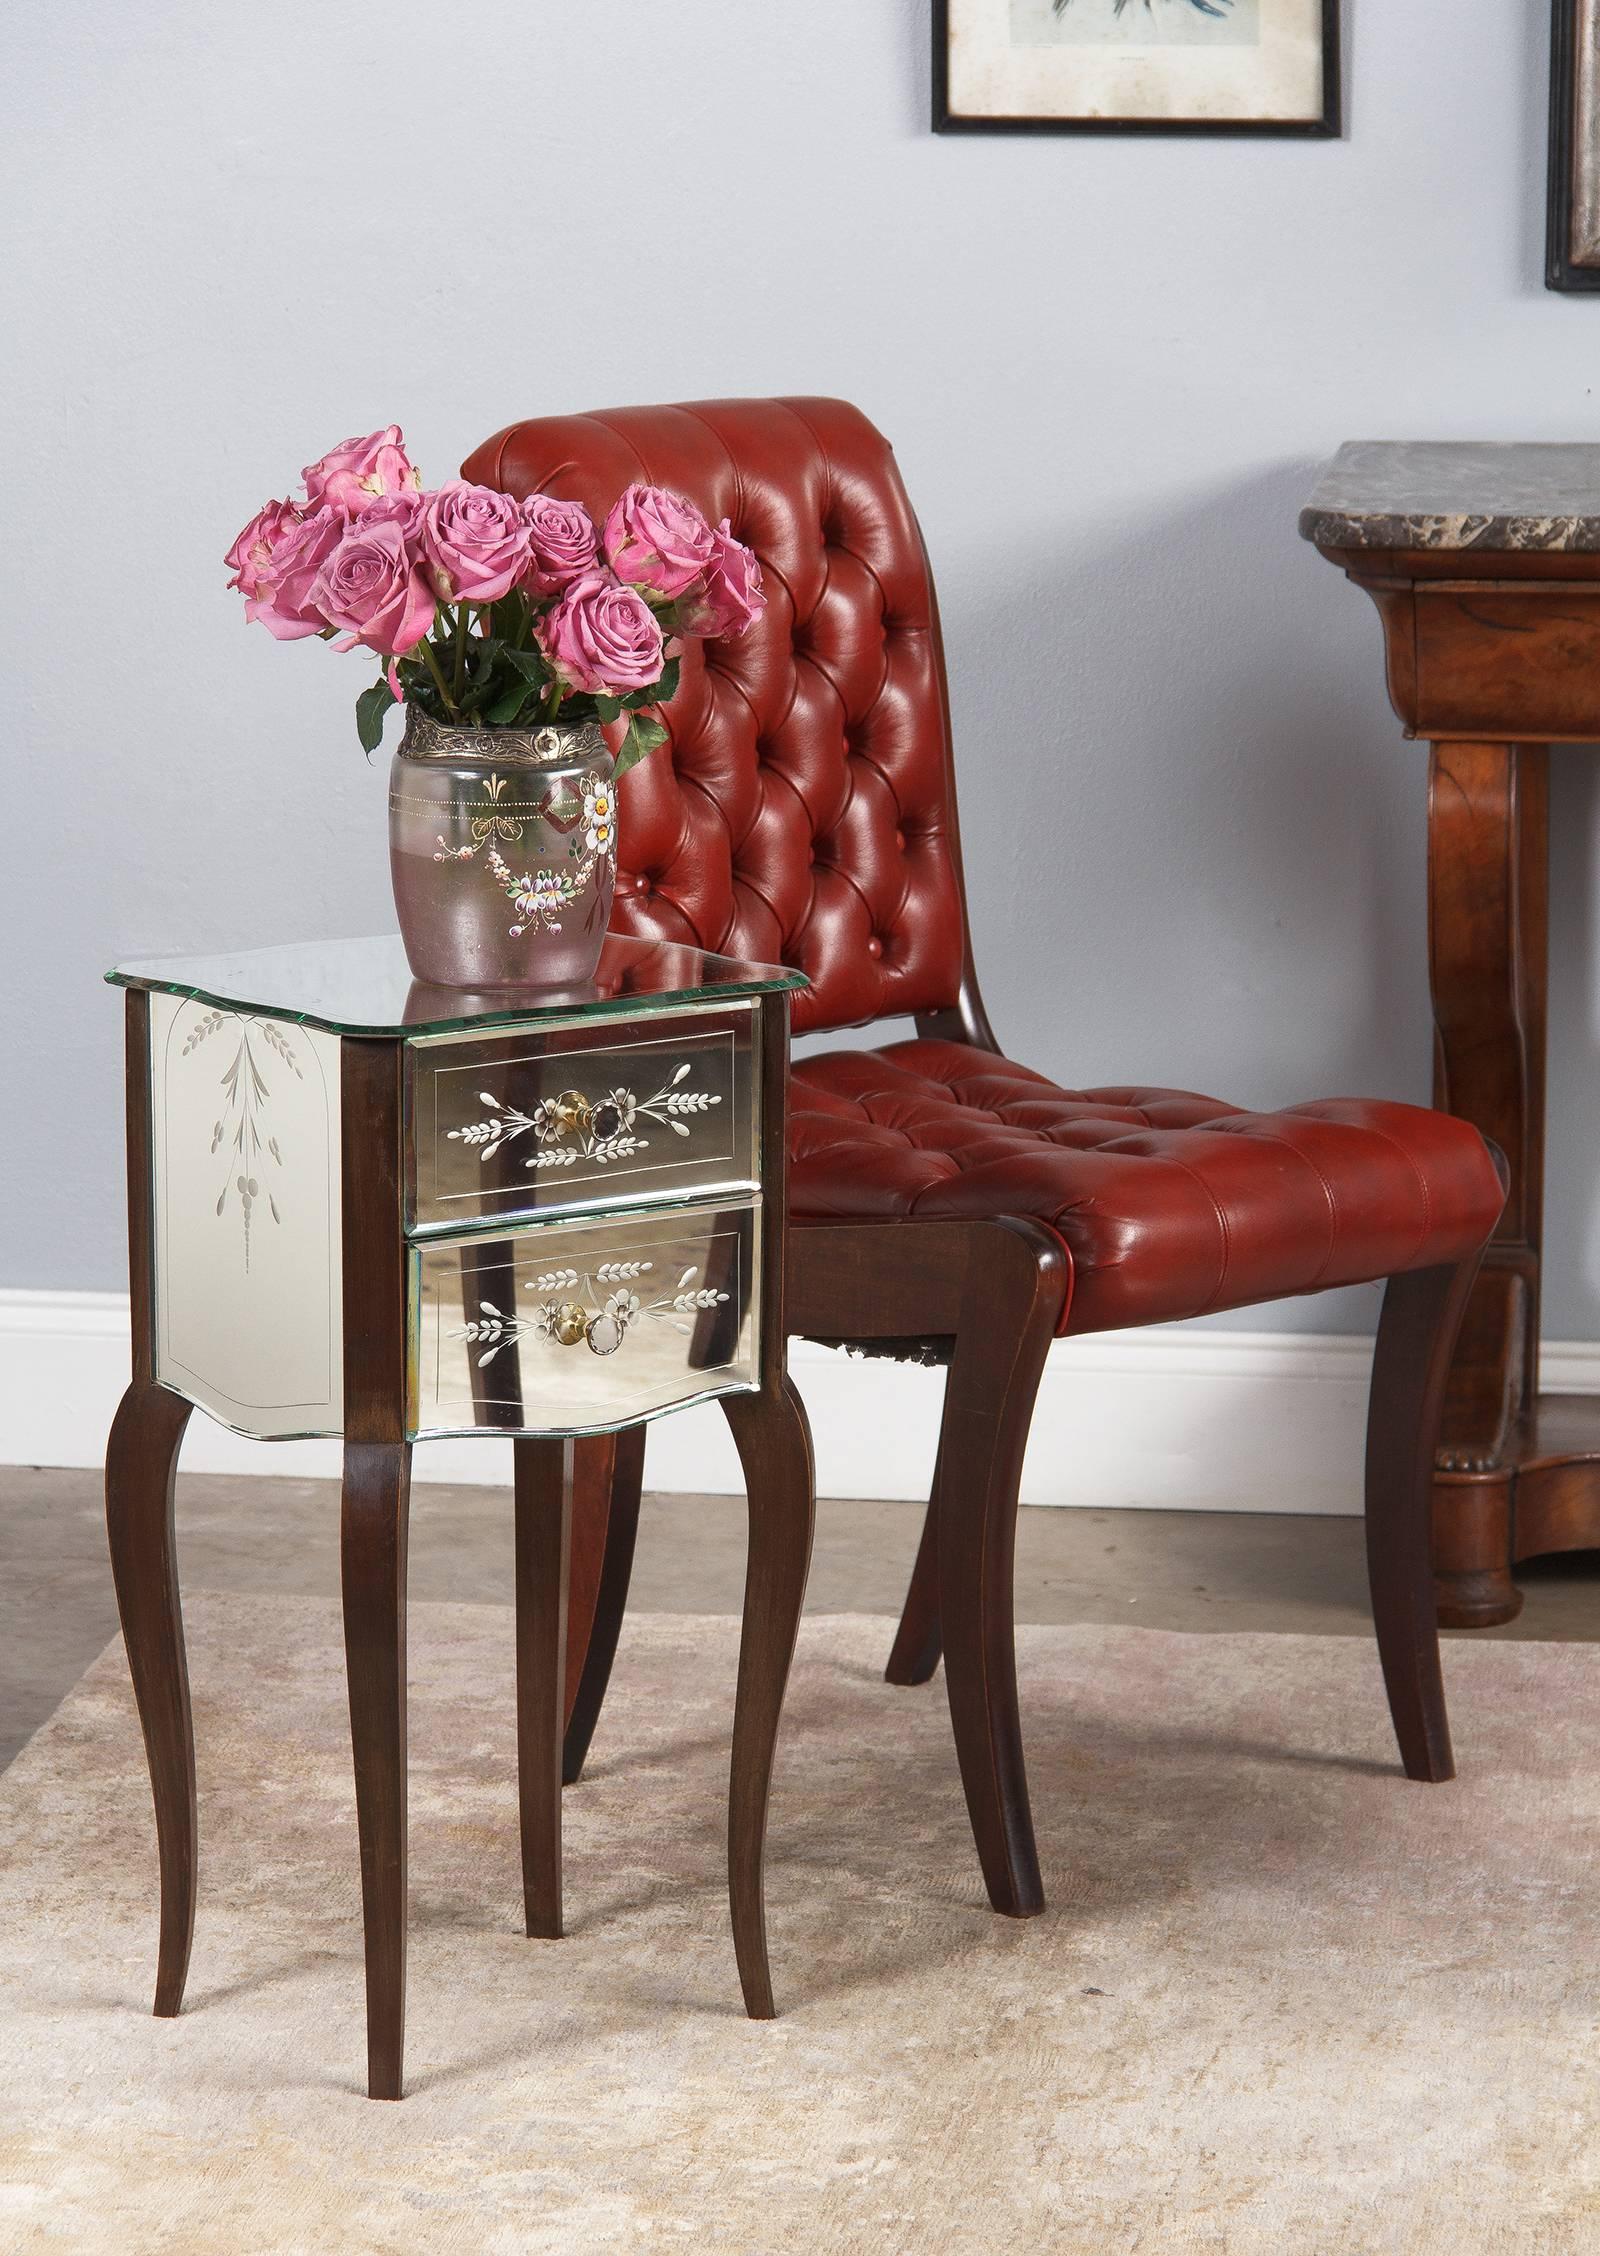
1328, 127
1561, 271
774, 1443
1493, 654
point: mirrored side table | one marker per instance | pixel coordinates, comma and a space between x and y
365, 1208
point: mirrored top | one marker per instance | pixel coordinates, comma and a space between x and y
366, 987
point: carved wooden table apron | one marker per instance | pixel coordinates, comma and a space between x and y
1484, 563
363, 1208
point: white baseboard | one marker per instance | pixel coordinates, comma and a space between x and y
1205, 1421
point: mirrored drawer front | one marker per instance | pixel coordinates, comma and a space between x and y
576, 1117
574, 1327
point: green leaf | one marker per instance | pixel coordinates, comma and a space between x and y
371, 706
608, 708
529, 663
643, 736
503, 711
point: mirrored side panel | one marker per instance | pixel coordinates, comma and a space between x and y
245, 1121
574, 1327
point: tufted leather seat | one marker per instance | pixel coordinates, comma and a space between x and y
1168, 1204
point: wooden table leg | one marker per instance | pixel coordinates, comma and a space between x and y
774, 1443
1487, 926
377, 1492
141, 1467
544, 1469
607, 1478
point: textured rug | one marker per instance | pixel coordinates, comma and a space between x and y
1282, 2002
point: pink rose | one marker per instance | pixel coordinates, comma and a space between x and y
476, 541
353, 476
565, 546
283, 600
251, 554
602, 638
373, 584
657, 540
731, 600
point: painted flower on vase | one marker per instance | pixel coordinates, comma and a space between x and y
599, 818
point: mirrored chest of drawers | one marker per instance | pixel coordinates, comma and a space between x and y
364, 1208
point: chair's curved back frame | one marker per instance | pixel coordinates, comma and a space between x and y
804, 810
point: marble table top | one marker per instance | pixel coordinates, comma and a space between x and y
1449, 493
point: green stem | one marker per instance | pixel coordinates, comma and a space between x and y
459, 670
557, 692
450, 704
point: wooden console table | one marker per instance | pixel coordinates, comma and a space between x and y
1484, 563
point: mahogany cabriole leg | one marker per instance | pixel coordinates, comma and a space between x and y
1417, 1334
141, 1466
608, 1476
1487, 928
377, 1490
544, 1532
1011, 1304
773, 1438
918, 1641
774, 1444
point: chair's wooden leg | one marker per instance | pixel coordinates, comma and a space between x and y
774, 1443
141, 1465
544, 1549
1422, 1314
377, 1488
608, 1475
1010, 1309
919, 1640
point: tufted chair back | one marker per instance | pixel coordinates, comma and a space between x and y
806, 814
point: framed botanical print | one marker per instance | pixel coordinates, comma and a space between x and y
1138, 66
1572, 243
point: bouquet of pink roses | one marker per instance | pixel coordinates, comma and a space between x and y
490, 612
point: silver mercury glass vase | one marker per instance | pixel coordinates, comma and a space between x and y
503, 846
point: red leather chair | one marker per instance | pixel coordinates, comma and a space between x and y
944, 1200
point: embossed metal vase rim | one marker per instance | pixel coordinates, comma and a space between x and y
554, 744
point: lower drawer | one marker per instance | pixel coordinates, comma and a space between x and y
577, 1327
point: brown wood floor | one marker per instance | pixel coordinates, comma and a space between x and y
1167, 1570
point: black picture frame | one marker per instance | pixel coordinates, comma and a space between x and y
1563, 270
1328, 127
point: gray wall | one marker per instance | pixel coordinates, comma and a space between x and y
1194, 833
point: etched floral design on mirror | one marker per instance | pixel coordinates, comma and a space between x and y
242, 1129
573, 1323
600, 1129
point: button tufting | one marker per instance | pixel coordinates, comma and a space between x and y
768, 788
900, 841
874, 946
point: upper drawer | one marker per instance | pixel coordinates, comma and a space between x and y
581, 1116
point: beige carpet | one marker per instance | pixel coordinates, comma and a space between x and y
1282, 2002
